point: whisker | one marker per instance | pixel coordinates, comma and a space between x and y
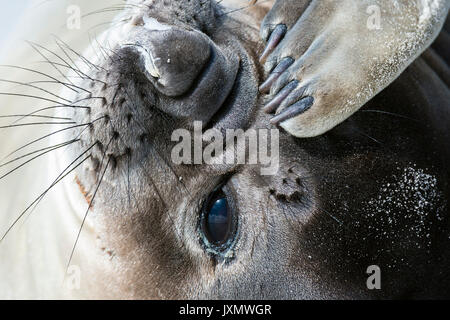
86, 77
65, 65
51, 108
29, 154
113, 52
43, 74
35, 124
33, 116
55, 182
45, 57
35, 87
391, 114
109, 22
59, 82
32, 97
51, 134
128, 179
82, 57
73, 66
88, 98
367, 136
108, 9
68, 57
91, 202
84, 152
333, 217
80, 75
105, 57
39, 155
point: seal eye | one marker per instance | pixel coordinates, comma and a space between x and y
217, 220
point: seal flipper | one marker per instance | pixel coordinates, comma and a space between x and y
343, 64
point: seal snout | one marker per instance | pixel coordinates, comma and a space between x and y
172, 59
183, 66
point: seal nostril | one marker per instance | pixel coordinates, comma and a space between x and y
115, 135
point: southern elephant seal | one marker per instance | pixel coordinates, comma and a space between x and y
372, 191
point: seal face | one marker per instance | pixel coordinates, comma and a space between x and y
372, 191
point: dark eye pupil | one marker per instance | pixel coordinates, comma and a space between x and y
218, 221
